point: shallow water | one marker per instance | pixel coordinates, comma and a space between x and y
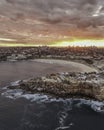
12, 71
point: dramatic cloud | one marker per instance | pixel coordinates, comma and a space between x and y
79, 14
55, 9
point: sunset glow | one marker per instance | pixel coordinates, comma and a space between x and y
80, 43
75, 43
18, 45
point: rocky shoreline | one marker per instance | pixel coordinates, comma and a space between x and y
86, 85
91, 56
90, 85
87, 54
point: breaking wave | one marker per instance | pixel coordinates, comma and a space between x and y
18, 93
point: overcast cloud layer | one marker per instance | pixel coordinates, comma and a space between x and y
83, 15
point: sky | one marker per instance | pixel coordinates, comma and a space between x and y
43, 21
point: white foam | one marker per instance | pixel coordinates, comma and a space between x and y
15, 83
63, 128
95, 105
17, 93
35, 97
13, 94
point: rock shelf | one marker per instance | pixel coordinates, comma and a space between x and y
90, 85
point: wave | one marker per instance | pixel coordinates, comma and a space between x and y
18, 93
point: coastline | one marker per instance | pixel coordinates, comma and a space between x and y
85, 85
63, 79
12, 71
30, 64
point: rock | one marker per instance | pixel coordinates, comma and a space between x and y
16, 57
90, 85
20, 57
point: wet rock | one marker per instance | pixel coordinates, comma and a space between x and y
90, 85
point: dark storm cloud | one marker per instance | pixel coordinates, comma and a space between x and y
83, 13
60, 7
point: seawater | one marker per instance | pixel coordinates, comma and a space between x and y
19, 111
